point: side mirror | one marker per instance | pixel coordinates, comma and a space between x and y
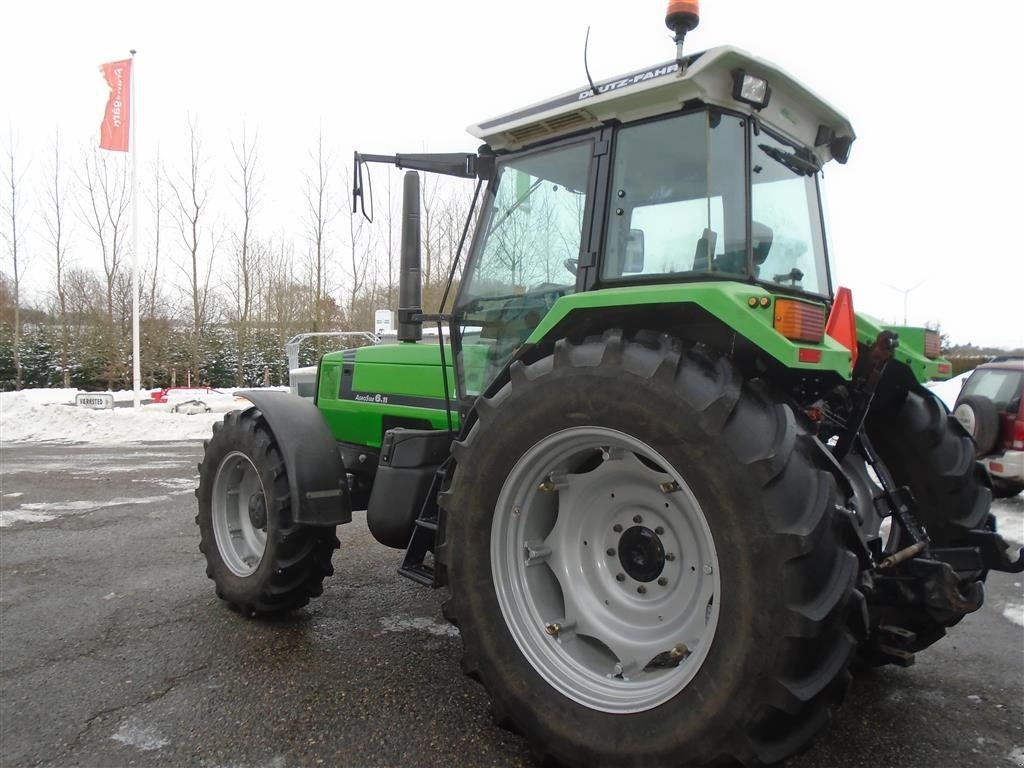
634, 261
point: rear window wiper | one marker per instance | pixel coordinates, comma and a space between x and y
793, 161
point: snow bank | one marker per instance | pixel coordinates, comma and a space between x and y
949, 390
49, 415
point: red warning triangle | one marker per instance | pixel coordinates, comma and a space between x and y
842, 323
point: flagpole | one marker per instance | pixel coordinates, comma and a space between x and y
136, 367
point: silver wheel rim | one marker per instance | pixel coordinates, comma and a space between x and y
573, 576
241, 540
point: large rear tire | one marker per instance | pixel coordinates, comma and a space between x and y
927, 450
579, 479
261, 562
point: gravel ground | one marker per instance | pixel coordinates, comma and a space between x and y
115, 652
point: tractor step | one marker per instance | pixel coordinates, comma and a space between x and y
421, 573
424, 533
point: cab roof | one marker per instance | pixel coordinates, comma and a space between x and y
793, 109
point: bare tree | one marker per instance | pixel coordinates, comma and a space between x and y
284, 299
319, 214
246, 266
429, 226
105, 210
191, 195
11, 212
388, 250
360, 262
451, 223
55, 219
158, 205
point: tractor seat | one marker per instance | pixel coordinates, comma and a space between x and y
705, 252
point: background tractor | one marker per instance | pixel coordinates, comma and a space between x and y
673, 484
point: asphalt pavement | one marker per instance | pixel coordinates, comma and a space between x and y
114, 650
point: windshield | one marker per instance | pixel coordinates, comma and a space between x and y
679, 205
526, 260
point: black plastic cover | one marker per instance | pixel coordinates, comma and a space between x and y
316, 474
395, 502
415, 447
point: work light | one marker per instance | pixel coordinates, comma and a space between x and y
751, 90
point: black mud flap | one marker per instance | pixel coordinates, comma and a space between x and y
316, 474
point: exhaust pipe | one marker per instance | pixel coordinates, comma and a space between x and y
409, 281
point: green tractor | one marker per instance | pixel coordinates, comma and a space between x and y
673, 485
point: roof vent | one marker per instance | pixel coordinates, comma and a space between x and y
557, 124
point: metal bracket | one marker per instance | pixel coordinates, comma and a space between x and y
995, 551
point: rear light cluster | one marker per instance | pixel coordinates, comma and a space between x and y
800, 321
932, 345
1017, 433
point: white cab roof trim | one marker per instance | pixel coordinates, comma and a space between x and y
794, 110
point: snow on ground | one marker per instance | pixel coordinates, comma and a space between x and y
49, 415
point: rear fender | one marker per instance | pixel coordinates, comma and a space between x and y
316, 473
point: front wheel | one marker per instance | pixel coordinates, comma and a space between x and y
260, 561
644, 560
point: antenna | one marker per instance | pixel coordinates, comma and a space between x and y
586, 67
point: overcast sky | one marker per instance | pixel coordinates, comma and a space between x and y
932, 191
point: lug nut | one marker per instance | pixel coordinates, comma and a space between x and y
642, 589
670, 557
620, 577
659, 530
553, 629
708, 570
617, 528
680, 651
637, 519
662, 581
610, 551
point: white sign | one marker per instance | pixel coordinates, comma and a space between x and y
383, 321
98, 400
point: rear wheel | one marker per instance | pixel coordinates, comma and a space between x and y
644, 562
926, 449
260, 561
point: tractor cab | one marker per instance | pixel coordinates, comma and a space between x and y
704, 169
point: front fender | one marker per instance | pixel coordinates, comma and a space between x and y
316, 473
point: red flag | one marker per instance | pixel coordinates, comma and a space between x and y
114, 129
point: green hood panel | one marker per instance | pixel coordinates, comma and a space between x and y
364, 392
910, 350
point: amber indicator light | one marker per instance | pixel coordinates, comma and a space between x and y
800, 321
932, 344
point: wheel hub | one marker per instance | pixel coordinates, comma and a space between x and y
641, 554
258, 511
239, 514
